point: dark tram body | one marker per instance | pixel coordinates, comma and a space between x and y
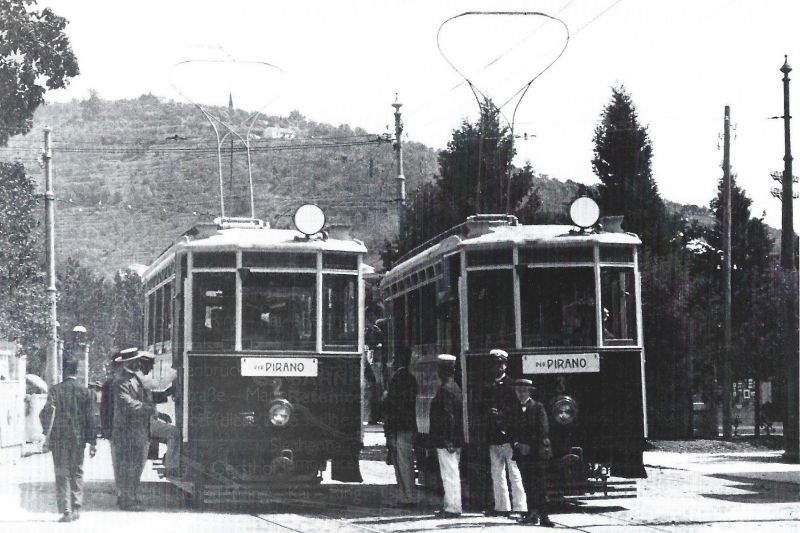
565, 304
262, 331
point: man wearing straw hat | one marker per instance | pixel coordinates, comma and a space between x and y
447, 434
130, 439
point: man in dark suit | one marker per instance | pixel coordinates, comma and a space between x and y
447, 434
400, 425
532, 451
69, 424
130, 438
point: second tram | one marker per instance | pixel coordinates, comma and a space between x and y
262, 330
566, 305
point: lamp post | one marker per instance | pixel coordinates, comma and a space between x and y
80, 351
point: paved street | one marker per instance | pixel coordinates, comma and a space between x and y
684, 492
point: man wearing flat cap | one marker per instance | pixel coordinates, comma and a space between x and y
69, 426
532, 451
130, 439
499, 403
447, 434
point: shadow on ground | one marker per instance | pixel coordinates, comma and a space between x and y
758, 490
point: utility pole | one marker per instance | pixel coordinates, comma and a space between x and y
401, 179
791, 426
726, 278
53, 365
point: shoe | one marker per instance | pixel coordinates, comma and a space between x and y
76, 513
446, 514
492, 512
66, 517
529, 519
515, 515
545, 521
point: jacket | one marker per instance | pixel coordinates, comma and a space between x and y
133, 407
70, 407
499, 396
400, 406
530, 428
446, 422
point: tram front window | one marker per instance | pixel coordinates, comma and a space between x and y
619, 306
279, 311
558, 306
214, 311
340, 312
491, 309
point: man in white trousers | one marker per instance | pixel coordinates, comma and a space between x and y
447, 435
499, 401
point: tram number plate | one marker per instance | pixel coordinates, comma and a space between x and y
561, 363
279, 366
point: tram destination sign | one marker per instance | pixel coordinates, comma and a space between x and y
279, 366
562, 363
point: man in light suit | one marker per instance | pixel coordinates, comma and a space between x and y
68, 421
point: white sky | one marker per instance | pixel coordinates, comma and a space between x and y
343, 61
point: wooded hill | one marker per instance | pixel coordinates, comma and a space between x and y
131, 175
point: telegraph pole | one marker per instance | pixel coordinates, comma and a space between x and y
791, 430
53, 366
401, 179
726, 278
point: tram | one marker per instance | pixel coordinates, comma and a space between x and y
565, 303
262, 332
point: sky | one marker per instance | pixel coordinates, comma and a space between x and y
343, 62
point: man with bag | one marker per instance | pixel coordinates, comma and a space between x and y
68, 421
532, 451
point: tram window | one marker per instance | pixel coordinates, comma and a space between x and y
168, 291
558, 307
619, 305
489, 257
616, 254
399, 322
340, 312
340, 261
279, 311
491, 309
427, 312
151, 313
214, 260
279, 260
556, 255
213, 310
158, 319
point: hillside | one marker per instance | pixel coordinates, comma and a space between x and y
131, 175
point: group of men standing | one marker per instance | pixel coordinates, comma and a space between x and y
517, 434
129, 419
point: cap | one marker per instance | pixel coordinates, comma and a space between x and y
499, 354
446, 359
131, 354
124, 355
523, 383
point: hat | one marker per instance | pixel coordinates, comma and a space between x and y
499, 354
131, 354
523, 383
446, 359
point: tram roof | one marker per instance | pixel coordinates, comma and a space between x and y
499, 236
208, 238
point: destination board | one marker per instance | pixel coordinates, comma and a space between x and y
279, 366
561, 363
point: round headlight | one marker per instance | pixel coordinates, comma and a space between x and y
565, 410
280, 412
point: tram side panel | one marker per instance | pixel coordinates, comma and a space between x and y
230, 434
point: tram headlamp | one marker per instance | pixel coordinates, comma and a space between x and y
565, 410
280, 412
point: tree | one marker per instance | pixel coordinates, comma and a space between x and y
473, 178
623, 163
35, 56
23, 306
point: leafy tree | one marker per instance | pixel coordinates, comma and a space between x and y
623, 163
473, 178
23, 306
35, 56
